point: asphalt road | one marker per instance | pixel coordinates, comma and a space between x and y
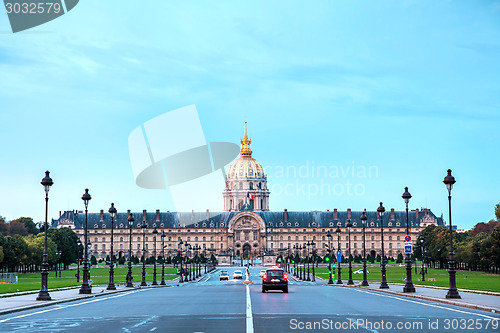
230, 306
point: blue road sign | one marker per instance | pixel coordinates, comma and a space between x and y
408, 248
339, 256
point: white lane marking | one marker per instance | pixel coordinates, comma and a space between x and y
363, 326
70, 305
153, 329
249, 312
431, 305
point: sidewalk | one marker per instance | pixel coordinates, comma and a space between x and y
471, 300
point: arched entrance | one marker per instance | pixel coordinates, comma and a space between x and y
247, 251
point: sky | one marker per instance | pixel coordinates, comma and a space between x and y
347, 102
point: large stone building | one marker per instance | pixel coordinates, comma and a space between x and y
246, 228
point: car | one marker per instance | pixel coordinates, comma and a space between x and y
262, 272
360, 271
223, 276
237, 275
275, 279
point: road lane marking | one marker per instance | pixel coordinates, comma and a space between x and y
70, 305
153, 329
363, 326
249, 312
422, 303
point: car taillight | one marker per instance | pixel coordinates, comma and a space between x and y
264, 277
285, 277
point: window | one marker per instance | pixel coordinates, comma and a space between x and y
390, 237
355, 245
138, 239
398, 238
373, 245
355, 238
254, 236
196, 239
212, 239
289, 238
373, 238
121, 239
104, 246
203, 238
246, 236
146, 246
95, 240
103, 239
304, 237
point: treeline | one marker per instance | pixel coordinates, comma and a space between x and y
22, 244
478, 249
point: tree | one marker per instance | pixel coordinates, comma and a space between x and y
15, 252
399, 259
18, 228
497, 211
487, 228
4, 227
28, 224
65, 239
121, 261
93, 261
1, 254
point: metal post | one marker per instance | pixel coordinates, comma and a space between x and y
449, 180
86, 288
349, 225
363, 219
129, 273
381, 211
409, 287
44, 295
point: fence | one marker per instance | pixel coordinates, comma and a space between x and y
8, 278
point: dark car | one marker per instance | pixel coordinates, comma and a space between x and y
275, 279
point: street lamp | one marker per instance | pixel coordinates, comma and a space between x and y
349, 226
338, 231
329, 236
363, 220
58, 256
181, 280
308, 260
78, 244
380, 211
408, 288
129, 274
111, 285
449, 180
313, 246
155, 232
163, 258
144, 226
43, 295
86, 288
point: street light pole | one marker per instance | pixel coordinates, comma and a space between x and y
338, 231
111, 285
449, 180
313, 246
408, 288
162, 283
129, 274
44, 295
78, 244
86, 288
155, 232
380, 211
363, 220
144, 226
308, 260
349, 225
329, 236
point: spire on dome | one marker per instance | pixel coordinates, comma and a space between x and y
245, 150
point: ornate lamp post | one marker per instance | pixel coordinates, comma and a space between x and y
58, 256
449, 180
380, 211
408, 288
338, 231
181, 279
162, 283
86, 288
155, 232
111, 285
129, 274
329, 236
363, 220
349, 226
313, 246
308, 259
144, 226
78, 244
43, 295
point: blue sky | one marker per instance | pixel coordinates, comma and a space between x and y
408, 88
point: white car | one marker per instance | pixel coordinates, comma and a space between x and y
360, 271
262, 272
237, 275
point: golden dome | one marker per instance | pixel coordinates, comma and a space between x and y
245, 166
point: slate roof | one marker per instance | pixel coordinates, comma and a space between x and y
221, 219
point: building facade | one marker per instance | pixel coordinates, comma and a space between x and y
246, 228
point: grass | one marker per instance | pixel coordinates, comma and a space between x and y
99, 276
395, 274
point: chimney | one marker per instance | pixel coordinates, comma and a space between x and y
157, 215
208, 215
392, 213
144, 214
286, 215
128, 213
102, 215
60, 214
335, 213
425, 211
348, 213
416, 213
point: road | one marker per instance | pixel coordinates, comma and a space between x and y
231, 306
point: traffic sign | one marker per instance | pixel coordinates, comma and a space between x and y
339, 256
407, 238
408, 248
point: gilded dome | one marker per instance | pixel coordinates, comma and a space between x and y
245, 166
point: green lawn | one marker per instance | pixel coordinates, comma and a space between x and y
395, 274
99, 276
